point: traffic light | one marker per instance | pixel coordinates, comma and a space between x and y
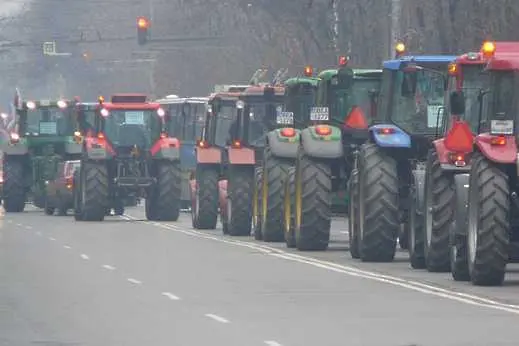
143, 24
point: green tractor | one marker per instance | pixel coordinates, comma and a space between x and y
280, 156
43, 136
318, 184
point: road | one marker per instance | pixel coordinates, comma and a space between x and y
130, 282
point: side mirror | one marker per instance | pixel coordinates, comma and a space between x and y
457, 102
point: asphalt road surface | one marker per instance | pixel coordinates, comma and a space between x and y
126, 282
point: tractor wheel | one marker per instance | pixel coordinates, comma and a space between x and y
313, 203
49, 210
165, 199
94, 191
205, 213
458, 239
378, 205
14, 190
76, 196
256, 206
239, 200
274, 174
353, 220
416, 222
438, 216
488, 223
288, 208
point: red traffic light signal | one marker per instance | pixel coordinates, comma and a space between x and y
143, 23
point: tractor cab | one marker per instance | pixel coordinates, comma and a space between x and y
86, 117
300, 94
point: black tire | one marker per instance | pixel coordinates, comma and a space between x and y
94, 190
438, 217
416, 221
313, 203
239, 200
288, 208
275, 172
378, 205
205, 213
165, 198
14, 189
488, 223
458, 239
49, 210
256, 207
353, 221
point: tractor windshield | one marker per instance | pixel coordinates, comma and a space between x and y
500, 103
194, 121
300, 100
343, 100
474, 81
262, 118
126, 128
224, 120
417, 100
49, 121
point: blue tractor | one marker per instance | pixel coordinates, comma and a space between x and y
409, 116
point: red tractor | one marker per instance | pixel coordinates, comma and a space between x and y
431, 239
127, 151
493, 206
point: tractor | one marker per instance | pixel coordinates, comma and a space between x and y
279, 157
41, 138
493, 208
433, 208
408, 116
126, 151
326, 152
185, 118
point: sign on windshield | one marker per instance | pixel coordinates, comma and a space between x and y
134, 118
48, 128
434, 115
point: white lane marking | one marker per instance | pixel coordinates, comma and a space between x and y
28, 227
38, 233
134, 281
109, 267
18, 224
170, 296
66, 247
356, 272
272, 343
85, 257
344, 232
53, 239
217, 318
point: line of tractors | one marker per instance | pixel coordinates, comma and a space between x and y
421, 153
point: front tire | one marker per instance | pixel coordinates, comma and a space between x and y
165, 198
378, 205
488, 223
205, 210
94, 191
239, 200
14, 189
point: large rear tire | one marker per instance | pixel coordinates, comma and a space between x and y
439, 207
94, 191
205, 211
256, 206
488, 223
275, 172
313, 203
353, 220
239, 200
288, 208
416, 221
378, 205
165, 199
14, 189
76, 196
458, 239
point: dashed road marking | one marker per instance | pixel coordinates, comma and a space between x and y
18, 224
272, 343
85, 257
109, 267
28, 227
134, 281
414, 285
170, 296
53, 239
217, 318
67, 247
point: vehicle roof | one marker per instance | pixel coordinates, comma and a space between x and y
506, 57
130, 106
260, 90
471, 58
396, 64
357, 72
224, 96
301, 80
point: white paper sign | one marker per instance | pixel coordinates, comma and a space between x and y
502, 127
319, 114
285, 118
134, 118
48, 128
433, 112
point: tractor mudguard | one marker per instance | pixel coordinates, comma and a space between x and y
19, 148
98, 149
208, 155
395, 139
443, 157
326, 147
166, 148
241, 156
222, 195
73, 148
281, 146
506, 153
